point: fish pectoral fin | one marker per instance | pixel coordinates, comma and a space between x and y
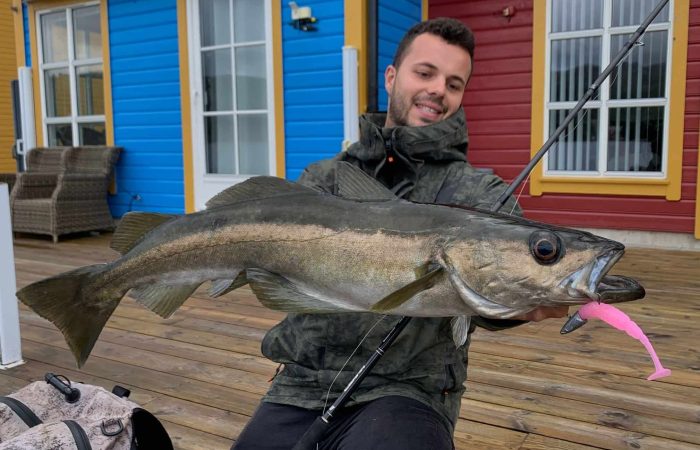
278, 293
460, 329
221, 287
354, 184
402, 295
133, 226
256, 187
163, 299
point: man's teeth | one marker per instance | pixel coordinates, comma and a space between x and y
428, 109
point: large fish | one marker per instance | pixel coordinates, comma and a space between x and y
306, 251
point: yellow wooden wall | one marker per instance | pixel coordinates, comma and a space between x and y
8, 72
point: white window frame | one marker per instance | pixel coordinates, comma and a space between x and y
74, 119
197, 95
604, 102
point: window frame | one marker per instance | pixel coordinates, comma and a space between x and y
199, 111
667, 183
36, 10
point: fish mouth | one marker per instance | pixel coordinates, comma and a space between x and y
592, 282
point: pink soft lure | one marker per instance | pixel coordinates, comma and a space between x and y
617, 319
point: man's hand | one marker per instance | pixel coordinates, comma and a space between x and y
544, 312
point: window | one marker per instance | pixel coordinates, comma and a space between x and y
71, 72
236, 113
628, 138
621, 130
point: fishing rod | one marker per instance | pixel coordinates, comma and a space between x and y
318, 428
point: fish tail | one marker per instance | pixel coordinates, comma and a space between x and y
80, 315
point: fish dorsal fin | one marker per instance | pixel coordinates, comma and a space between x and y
163, 299
425, 280
255, 187
354, 184
278, 293
133, 226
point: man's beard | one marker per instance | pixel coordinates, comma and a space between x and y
400, 106
398, 109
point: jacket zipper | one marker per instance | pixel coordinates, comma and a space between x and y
22, 411
79, 435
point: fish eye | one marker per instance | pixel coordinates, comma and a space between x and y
546, 247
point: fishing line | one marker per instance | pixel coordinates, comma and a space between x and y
349, 358
583, 116
522, 187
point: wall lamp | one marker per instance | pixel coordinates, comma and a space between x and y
302, 18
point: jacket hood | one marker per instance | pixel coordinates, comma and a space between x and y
446, 140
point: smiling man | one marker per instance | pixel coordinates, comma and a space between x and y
411, 398
430, 85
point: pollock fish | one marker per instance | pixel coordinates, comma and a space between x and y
302, 250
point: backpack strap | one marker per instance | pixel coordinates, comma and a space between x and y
149, 433
79, 435
22, 411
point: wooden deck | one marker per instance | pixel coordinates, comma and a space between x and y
202, 374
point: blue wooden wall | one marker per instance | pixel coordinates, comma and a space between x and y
313, 85
146, 103
27, 46
395, 18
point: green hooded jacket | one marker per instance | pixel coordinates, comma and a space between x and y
422, 164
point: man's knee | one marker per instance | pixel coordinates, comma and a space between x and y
398, 423
274, 426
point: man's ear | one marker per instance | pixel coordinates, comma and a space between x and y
389, 78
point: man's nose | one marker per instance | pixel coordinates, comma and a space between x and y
437, 86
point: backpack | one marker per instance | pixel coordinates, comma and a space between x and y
58, 415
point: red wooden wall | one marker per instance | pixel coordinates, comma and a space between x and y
498, 109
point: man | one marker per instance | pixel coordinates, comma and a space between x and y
411, 398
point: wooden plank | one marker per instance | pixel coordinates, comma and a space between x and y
539, 442
566, 429
662, 399
476, 435
635, 365
193, 439
205, 418
592, 413
10, 384
140, 358
191, 351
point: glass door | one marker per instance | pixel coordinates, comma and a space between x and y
232, 102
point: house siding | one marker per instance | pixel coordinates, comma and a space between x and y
313, 86
27, 50
145, 73
8, 72
395, 17
498, 109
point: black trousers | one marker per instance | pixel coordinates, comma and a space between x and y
388, 423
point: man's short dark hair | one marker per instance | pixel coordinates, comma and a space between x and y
450, 30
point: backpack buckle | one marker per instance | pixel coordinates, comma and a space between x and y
108, 427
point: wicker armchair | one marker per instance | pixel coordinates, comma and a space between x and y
70, 201
39, 160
